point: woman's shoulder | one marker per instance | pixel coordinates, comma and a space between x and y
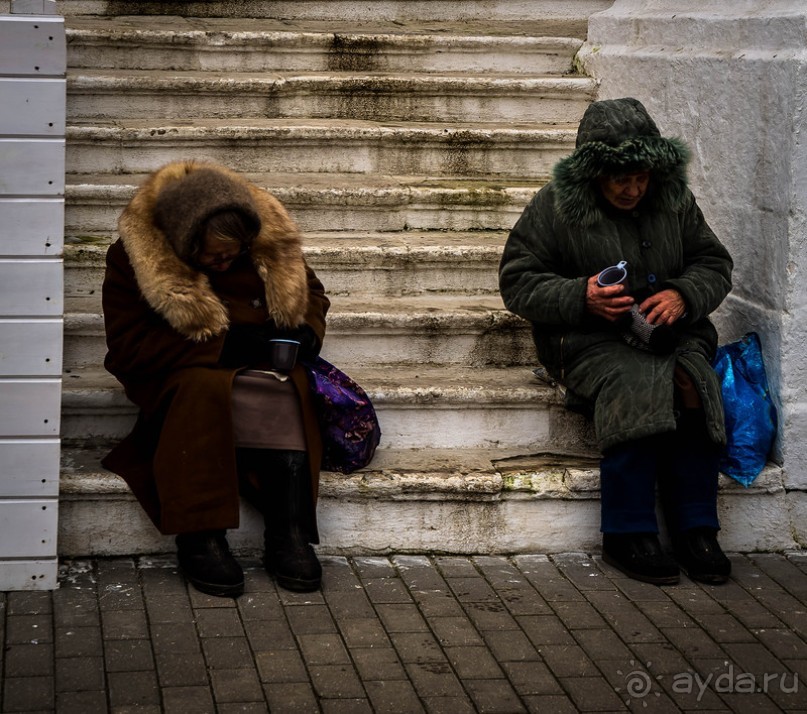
542, 203
545, 196
117, 260
541, 210
116, 252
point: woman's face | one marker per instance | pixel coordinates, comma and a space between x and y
218, 254
626, 190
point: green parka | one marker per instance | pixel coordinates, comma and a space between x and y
569, 232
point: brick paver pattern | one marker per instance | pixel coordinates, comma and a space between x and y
410, 633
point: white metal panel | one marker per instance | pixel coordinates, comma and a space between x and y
32, 46
29, 468
29, 528
32, 167
29, 574
31, 226
31, 287
31, 347
30, 407
32, 107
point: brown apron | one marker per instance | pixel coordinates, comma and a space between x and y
266, 412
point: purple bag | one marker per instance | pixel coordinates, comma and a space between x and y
347, 419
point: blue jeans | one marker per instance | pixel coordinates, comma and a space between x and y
684, 465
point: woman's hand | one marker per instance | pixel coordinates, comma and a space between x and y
309, 342
610, 303
664, 307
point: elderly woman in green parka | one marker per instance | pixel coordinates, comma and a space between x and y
636, 356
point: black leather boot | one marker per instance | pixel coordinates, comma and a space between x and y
701, 556
207, 563
291, 523
639, 556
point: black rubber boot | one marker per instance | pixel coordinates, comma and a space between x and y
701, 556
688, 488
291, 523
207, 563
293, 563
639, 556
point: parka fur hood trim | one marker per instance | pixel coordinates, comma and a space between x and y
180, 293
617, 136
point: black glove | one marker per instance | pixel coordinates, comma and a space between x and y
310, 344
660, 339
246, 344
249, 344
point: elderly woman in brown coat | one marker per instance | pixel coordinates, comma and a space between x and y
208, 269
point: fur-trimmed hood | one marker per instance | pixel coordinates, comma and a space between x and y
616, 136
180, 293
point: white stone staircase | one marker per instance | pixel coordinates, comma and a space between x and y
405, 138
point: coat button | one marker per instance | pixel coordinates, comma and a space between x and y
646, 244
651, 278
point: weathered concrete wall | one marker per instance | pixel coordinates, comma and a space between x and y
731, 79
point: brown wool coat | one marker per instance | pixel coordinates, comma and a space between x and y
165, 327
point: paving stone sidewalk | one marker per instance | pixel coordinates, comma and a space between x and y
528, 633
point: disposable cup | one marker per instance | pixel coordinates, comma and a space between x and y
613, 275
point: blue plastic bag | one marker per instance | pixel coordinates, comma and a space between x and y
749, 410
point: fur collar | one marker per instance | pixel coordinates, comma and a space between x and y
181, 294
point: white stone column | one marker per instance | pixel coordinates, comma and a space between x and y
32, 150
731, 79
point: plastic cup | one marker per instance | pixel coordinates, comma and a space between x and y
614, 275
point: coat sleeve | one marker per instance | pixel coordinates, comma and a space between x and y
531, 277
706, 278
141, 344
318, 305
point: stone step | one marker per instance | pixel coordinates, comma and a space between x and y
320, 146
406, 263
328, 202
426, 501
225, 44
419, 407
575, 11
465, 332
396, 300
168, 95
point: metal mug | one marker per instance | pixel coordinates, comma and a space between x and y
283, 354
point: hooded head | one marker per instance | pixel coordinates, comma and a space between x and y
618, 136
184, 206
